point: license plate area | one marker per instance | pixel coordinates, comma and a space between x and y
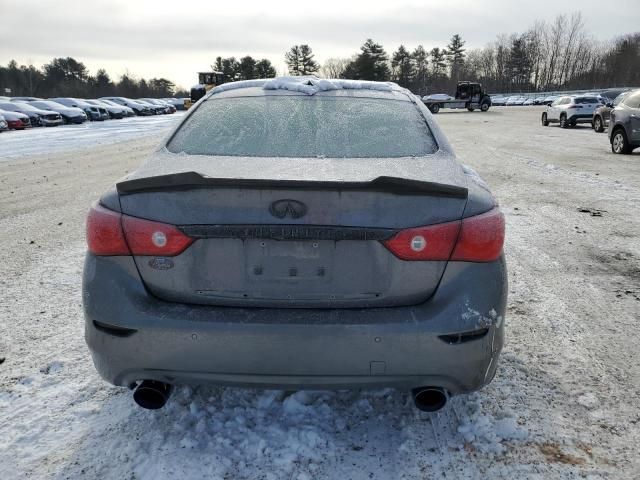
288, 261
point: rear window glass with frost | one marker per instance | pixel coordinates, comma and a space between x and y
296, 126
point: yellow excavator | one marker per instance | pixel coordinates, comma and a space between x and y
206, 81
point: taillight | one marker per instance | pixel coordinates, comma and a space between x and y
154, 238
434, 242
111, 233
104, 232
481, 238
474, 239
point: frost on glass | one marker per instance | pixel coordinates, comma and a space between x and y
295, 126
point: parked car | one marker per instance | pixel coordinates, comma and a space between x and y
570, 110
352, 250
16, 120
178, 103
113, 111
157, 109
3, 124
549, 100
601, 114
69, 114
94, 113
538, 101
137, 107
168, 108
24, 99
37, 116
129, 111
498, 101
512, 100
528, 101
624, 124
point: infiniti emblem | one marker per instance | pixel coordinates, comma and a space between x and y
288, 208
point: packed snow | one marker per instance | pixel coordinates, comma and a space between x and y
564, 403
308, 85
46, 140
437, 96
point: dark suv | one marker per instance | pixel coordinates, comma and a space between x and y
624, 124
601, 114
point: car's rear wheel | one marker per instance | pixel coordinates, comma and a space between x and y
471, 109
545, 120
597, 124
484, 106
619, 142
563, 121
435, 108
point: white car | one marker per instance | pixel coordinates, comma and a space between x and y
570, 110
3, 124
528, 101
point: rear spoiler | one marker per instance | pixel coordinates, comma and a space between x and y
189, 180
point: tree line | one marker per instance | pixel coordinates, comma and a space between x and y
556, 55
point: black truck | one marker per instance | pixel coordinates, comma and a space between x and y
469, 95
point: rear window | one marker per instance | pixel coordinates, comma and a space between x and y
585, 100
296, 126
632, 100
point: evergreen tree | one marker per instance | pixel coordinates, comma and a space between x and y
308, 65
403, 67
264, 69
247, 68
299, 60
292, 59
438, 62
372, 63
419, 57
455, 55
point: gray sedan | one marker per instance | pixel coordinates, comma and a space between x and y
298, 234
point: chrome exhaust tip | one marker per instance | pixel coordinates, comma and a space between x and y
429, 399
151, 394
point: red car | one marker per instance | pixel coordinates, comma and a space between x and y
15, 120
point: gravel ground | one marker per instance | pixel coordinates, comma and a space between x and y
564, 403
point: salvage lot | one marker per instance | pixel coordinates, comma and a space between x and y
564, 404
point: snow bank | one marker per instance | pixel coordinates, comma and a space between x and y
437, 96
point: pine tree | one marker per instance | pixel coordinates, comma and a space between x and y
455, 55
247, 68
438, 62
299, 60
308, 65
292, 59
419, 57
264, 69
372, 63
402, 66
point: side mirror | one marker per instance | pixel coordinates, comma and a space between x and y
609, 104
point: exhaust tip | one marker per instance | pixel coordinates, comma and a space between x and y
429, 399
151, 394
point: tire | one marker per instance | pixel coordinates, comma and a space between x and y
563, 121
545, 122
598, 124
435, 108
619, 142
471, 109
484, 106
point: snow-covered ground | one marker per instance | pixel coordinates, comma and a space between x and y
37, 141
564, 403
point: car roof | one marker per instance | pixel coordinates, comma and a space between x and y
310, 86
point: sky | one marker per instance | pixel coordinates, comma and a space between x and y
177, 39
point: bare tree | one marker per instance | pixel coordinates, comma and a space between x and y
334, 67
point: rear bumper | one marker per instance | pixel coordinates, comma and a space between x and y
299, 348
586, 118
